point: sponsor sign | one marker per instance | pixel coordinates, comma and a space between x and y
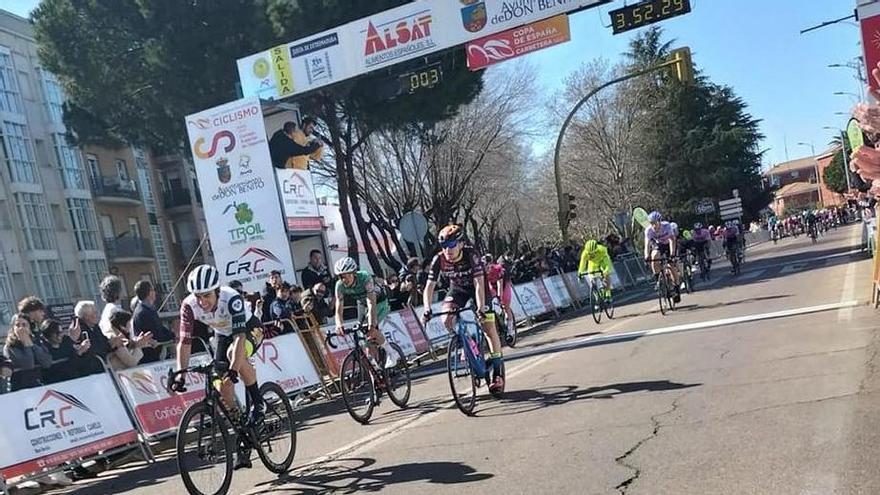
63, 313
533, 298
284, 360
518, 41
412, 30
47, 426
558, 292
869, 18
235, 175
299, 201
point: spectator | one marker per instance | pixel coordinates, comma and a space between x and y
67, 360
34, 311
410, 282
315, 272
281, 308
290, 146
314, 303
85, 327
29, 357
146, 319
5, 374
111, 294
264, 307
126, 350
396, 296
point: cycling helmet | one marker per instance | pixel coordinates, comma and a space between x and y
204, 278
591, 246
487, 259
345, 265
698, 226
655, 217
450, 233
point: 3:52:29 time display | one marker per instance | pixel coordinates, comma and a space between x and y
644, 13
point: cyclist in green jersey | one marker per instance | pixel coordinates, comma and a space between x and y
359, 285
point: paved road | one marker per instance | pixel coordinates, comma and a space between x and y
764, 383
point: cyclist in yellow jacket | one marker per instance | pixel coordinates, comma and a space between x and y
595, 258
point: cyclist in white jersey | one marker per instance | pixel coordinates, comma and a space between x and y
237, 334
660, 240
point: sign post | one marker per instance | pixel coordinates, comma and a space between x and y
731, 209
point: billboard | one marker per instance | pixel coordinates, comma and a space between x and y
517, 42
237, 183
299, 201
412, 30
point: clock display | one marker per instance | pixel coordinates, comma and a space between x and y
426, 77
648, 12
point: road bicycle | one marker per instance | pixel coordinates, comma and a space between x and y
687, 272
466, 363
506, 329
735, 258
209, 433
704, 264
363, 380
666, 290
598, 302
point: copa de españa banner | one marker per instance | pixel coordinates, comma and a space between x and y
237, 181
517, 42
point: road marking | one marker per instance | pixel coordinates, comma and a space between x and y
794, 267
849, 285
752, 274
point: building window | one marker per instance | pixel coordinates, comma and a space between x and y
7, 304
10, 99
19, 154
53, 95
82, 217
50, 281
35, 221
134, 227
92, 272
69, 162
122, 171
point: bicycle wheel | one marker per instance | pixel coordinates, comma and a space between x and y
670, 292
661, 294
596, 305
276, 437
498, 394
397, 380
358, 387
461, 377
609, 308
204, 451
511, 334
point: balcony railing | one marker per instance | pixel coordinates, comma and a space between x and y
128, 247
114, 187
177, 197
185, 248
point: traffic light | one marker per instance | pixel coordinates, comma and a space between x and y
571, 207
684, 67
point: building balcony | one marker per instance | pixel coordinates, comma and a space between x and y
187, 248
116, 191
177, 198
128, 250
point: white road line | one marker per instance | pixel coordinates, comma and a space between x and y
849, 286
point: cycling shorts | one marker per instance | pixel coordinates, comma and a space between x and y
253, 340
663, 249
459, 297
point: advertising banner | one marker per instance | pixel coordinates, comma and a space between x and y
47, 426
284, 360
869, 18
298, 199
516, 42
231, 155
558, 292
534, 298
413, 30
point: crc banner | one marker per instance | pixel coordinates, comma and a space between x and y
237, 184
518, 41
298, 198
47, 426
533, 299
284, 360
409, 31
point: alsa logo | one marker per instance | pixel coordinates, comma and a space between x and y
40, 417
397, 34
250, 262
198, 146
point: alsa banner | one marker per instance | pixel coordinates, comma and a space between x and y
237, 183
47, 426
517, 42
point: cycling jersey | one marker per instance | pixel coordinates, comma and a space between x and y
702, 235
661, 235
363, 286
731, 232
229, 317
600, 261
494, 273
459, 273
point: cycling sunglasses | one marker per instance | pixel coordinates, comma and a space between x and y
449, 244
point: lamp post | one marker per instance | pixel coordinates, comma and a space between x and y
842, 151
816, 166
859, 75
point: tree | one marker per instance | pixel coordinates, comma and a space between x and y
833, 176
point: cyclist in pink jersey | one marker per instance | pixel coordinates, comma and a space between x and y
500, 285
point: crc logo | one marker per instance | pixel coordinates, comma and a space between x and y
250, 262
296, 186
246, 230
228, 136
40, 417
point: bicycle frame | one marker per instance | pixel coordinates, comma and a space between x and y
477, 364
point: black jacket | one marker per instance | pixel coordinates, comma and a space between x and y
281, 148
146, 319
310, 277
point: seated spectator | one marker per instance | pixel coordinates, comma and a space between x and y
29, 358
146, 319
67, 360
126, 351
111, 294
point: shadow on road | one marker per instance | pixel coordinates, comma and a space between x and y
353, 476
523, 401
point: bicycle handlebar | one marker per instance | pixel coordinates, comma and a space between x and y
346, 331
453, 311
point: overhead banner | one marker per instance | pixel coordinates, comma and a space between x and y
403, 33
869, 20
517, 42
47, 426
299, 201
237, 183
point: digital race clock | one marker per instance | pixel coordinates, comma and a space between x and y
644, 13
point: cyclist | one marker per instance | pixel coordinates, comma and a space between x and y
660, 241
500, 285
462, 268
810, 227
731, 241
237, 334
702, 236
595, 258
360, 286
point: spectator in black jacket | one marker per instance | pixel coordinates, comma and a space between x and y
315, 272
34, 311
269, 295
283, 148
146, 319
29, 357
68, 360
85, 327
314, 302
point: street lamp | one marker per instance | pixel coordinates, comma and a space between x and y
843, 151
847, 93
859, 75
816, 166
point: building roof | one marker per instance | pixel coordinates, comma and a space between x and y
795, 189
800, 163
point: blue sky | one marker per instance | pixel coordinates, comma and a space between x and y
755, 46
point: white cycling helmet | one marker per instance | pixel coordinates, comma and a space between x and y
655, 217
345, 265
204, 278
